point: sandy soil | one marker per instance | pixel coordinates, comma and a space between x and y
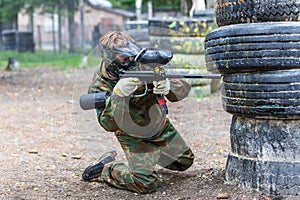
47, 141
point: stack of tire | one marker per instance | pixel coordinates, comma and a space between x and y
257, 50
185, 37
139, 31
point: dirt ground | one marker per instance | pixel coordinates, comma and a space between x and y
47, 141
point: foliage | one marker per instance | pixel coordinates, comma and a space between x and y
157, 5
42, 58
173, 4
123, 3
9, 9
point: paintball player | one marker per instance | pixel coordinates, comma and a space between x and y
138, 120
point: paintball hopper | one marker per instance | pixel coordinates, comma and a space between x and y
149, 56
153, 57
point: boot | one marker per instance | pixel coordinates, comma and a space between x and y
94, 171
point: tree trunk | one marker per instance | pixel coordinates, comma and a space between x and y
82, 22
182, 3
150, 9
185, 7
53, 32
138, 9
71, 23
59, 29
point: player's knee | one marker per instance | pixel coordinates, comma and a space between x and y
147, 184
182, 163
149, 188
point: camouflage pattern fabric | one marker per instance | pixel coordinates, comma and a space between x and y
167, 149
144, 132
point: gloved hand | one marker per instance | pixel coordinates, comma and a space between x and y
161, 87
126, 86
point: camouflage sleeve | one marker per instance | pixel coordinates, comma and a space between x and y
179, 90
105, 115
113, 116
94, 86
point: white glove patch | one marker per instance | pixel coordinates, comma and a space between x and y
161, 87
126, 86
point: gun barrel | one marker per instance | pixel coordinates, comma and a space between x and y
151, 76
194, 76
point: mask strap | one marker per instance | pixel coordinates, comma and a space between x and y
139, 56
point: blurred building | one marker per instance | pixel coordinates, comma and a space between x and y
99, 18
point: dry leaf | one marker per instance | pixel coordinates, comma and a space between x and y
223, 196
33, 152
76, 157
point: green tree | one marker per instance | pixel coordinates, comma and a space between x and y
72, 6
157, 4
9, 11
62, 7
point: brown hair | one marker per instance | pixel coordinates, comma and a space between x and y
115, 39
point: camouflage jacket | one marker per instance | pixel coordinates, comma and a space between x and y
135, 114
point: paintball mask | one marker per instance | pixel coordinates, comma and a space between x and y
135, 55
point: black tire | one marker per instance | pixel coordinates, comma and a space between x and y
265, 155
181, 27
287, 103
263, 108
221, 44
181, 45
264, 111
262, 87
251, 65
139, 34
292, 95
255, 54
253, 11
269, 177
253, 47
279, 76
265, 139
255, 29
273, 94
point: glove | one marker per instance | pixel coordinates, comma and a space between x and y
126, 86
161, 87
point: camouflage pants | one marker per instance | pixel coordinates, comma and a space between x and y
166, 149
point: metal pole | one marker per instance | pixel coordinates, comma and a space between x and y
138, 7
150, 10
82, 22
83, 46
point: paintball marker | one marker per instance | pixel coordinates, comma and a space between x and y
153, 58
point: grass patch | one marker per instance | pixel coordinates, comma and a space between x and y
42, 58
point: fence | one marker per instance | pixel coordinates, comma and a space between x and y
13, 40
